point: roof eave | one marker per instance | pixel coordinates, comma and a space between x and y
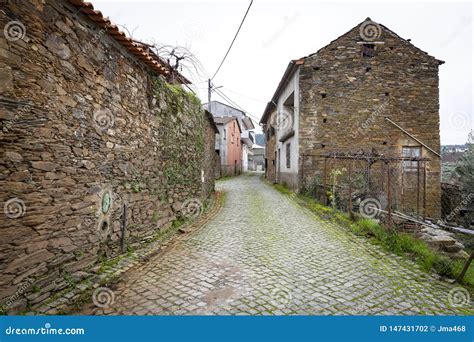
133, 48
290, 70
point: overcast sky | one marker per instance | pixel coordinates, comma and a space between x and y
276, 32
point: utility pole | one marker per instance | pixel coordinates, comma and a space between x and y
209, 89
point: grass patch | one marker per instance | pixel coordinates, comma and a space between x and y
396, 242
283, 189
225, 178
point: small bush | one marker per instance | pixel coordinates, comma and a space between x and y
443, 266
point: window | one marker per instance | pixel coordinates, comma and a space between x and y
368, 50
410, 152
288, 156
225, 134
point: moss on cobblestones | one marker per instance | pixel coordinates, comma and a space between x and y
264, 254
396, 242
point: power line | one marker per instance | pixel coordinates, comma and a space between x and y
230, 101
233, 40
245, 96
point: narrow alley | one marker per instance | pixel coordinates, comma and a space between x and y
265, 255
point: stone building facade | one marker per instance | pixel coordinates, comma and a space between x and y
368, 90
270, 150
91, 126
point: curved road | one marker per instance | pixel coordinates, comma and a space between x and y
265, 255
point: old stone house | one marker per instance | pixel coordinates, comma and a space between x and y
94, 125
368, 90
229, 145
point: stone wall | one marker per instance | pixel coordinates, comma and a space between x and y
345, 98
211, 156
87, 130
270, 145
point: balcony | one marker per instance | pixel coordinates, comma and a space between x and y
248, 138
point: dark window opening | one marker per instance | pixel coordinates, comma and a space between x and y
316, 67
104, 226
325, 120
323, 146
387, 94
368, 69
288, 156
323, 95
368, 50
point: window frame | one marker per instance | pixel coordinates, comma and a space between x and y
368, 51
408, 165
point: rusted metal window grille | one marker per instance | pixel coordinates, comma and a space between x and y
368, 50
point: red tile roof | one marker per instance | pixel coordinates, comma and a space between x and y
141, 51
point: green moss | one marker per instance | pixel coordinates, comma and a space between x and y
283, 189
392, 241
181, 131
155, 216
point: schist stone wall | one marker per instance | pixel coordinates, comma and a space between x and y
270, 151
87, 130
345, 98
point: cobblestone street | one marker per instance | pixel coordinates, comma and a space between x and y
265, 255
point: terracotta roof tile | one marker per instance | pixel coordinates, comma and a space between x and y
138, 49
